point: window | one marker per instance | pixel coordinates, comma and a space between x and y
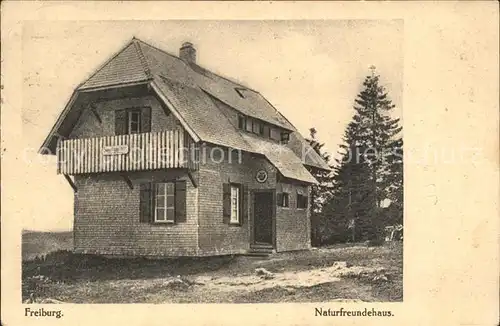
134, 121
266, 131
283, 200
249, 124
235, 204
275, 134
256, 127
285, 137
301, 201
165, 202
241, 122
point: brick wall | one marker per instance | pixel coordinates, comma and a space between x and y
88, 126
107, 217
107, 210
293, 224
215, 237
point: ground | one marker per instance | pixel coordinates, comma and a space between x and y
352, 272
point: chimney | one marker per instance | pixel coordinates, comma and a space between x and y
187, 52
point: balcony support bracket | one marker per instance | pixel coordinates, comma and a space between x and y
94, 111
128, 181
192, 178
71, 183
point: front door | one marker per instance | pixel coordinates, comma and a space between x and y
263, 217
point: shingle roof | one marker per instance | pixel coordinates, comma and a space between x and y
125, 67
282, 157
306, 153
252, 104
208, 122
189, 87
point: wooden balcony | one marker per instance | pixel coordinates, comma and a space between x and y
136, 152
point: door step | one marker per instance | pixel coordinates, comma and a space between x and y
260, 250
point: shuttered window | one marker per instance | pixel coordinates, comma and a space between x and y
234, 203
163, 202
132, 121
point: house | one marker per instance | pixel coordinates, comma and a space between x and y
169, 159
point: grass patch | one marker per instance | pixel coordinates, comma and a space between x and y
79, 278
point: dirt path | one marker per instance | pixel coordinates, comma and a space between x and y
338, 274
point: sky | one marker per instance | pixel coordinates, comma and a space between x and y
311, 71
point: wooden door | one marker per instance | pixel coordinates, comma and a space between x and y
263, 217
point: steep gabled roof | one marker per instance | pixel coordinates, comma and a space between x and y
125, 67
250, 103
186, 88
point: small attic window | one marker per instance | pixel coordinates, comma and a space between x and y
240, 91
285, 137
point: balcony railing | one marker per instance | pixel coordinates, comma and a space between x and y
136, 152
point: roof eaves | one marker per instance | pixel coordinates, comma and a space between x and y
115, 85
57, 124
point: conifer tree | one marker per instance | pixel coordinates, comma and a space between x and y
320, 193
368, 172
376, 132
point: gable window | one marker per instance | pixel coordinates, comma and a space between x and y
301, 201
165, 202
134, 121
283, 200
235, 204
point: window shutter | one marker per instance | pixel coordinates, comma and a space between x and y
120, 122
146, 119
180, 201
226, 202
279, 199
146, 203
244, 203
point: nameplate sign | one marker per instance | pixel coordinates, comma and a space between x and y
115, 150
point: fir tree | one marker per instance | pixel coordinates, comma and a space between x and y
376, 131
395, 179
321, 192
368, 172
